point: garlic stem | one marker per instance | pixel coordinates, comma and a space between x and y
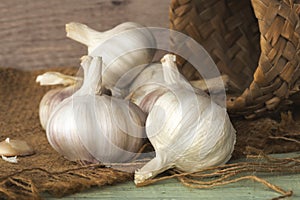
82, 33
56, 78
170, 71
93, 70
171, 74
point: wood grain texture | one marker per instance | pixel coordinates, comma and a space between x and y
32, 32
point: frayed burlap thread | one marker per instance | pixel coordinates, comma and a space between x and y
236, 172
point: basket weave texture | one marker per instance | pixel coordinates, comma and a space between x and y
256, 43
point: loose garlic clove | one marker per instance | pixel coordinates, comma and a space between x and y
10, 148
55, 96
127, 48
90, 126
187, 130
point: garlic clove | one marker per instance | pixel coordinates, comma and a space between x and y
10, 148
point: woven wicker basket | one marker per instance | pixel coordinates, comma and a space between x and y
256, 43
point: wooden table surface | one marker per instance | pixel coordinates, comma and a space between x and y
172, 189
33, 33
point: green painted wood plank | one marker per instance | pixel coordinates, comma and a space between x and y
172, 189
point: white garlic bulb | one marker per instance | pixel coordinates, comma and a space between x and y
187, 130
127, 47
90, 126
53, 97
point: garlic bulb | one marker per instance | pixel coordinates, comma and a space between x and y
187, 130
53, 97
90, 126
127, 47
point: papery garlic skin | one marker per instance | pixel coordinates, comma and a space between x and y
187, 130
123, 48
55, 96
89, 126
13, 159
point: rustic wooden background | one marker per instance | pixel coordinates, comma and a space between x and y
32, 32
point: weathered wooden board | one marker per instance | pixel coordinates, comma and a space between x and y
172, 189
32, 32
